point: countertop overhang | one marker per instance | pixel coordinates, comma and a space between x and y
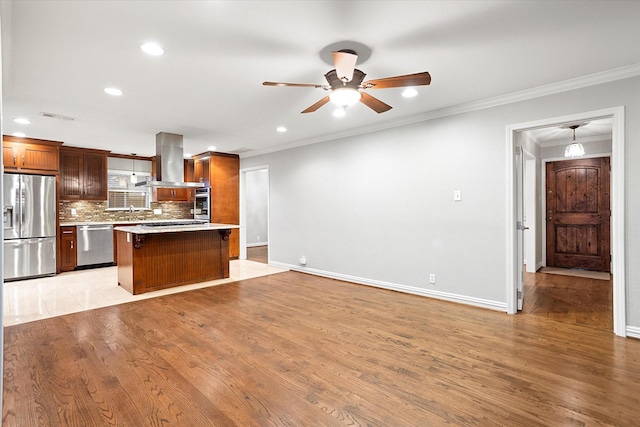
142, 229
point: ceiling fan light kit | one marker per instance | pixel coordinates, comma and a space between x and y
345, 96
347, 87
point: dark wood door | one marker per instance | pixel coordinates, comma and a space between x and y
70, 175
68, 249
578, 214
94, 176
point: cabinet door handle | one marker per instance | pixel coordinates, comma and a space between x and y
14, 159
67, 232
72, 244
23, 160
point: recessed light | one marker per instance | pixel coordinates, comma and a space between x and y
22, 120
409, 92
153, 49
211, 148
19, 134
114, 91
281, 129
340, 112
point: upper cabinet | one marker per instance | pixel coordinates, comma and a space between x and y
83, 174
30, 155
201, 170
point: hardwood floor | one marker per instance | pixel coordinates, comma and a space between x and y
578, 300
298, 350
258, 254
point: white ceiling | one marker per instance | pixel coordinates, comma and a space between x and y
59, 55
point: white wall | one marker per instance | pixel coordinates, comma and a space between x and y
256, 192
378, 208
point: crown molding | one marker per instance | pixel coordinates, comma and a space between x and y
523, 95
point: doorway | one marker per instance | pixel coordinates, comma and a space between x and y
586, 301
254, 214
515, 230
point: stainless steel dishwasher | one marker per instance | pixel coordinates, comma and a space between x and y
95, 244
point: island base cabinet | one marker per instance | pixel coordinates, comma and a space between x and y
148, 262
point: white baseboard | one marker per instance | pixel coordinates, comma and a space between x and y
477, 302
633, 332
253, 245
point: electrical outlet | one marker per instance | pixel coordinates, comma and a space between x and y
157, 211
258, 238
74, 212
432, 279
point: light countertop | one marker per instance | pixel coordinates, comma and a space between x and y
73, 224
142, 229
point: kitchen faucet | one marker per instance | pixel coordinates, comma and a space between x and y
131, 209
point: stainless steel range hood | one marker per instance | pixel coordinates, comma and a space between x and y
169, 164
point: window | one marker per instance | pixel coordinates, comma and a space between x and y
123, 193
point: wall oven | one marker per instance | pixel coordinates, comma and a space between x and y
202, 204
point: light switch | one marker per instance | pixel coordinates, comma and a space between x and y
457, 196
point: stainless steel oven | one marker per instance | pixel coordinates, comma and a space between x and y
202, 204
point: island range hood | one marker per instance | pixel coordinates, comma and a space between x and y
169, 163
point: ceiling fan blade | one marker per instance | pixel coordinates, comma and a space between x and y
291, 84
317, 105
418, 79
374, 103
345, 63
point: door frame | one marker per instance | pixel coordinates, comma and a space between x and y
618, 263
243, 209
531, 215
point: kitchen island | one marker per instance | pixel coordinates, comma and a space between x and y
158, 256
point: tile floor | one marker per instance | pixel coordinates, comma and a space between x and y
35, 299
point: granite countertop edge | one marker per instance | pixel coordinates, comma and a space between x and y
141, 229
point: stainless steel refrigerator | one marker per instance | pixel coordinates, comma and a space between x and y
29, 222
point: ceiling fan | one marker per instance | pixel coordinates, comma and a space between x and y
347, 87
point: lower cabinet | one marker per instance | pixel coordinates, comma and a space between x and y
68, 249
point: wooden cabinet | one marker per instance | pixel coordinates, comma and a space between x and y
83, 174
171, 195
221, 172
189, 177
148, 262
68, 249
175, 194
201, 171
30, 155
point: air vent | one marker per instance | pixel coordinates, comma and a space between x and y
57, 116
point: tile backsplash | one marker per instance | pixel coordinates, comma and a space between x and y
97, 212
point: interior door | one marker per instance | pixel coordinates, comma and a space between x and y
578, 214
520, 228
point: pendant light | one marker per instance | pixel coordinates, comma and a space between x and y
133, 178
575, 149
